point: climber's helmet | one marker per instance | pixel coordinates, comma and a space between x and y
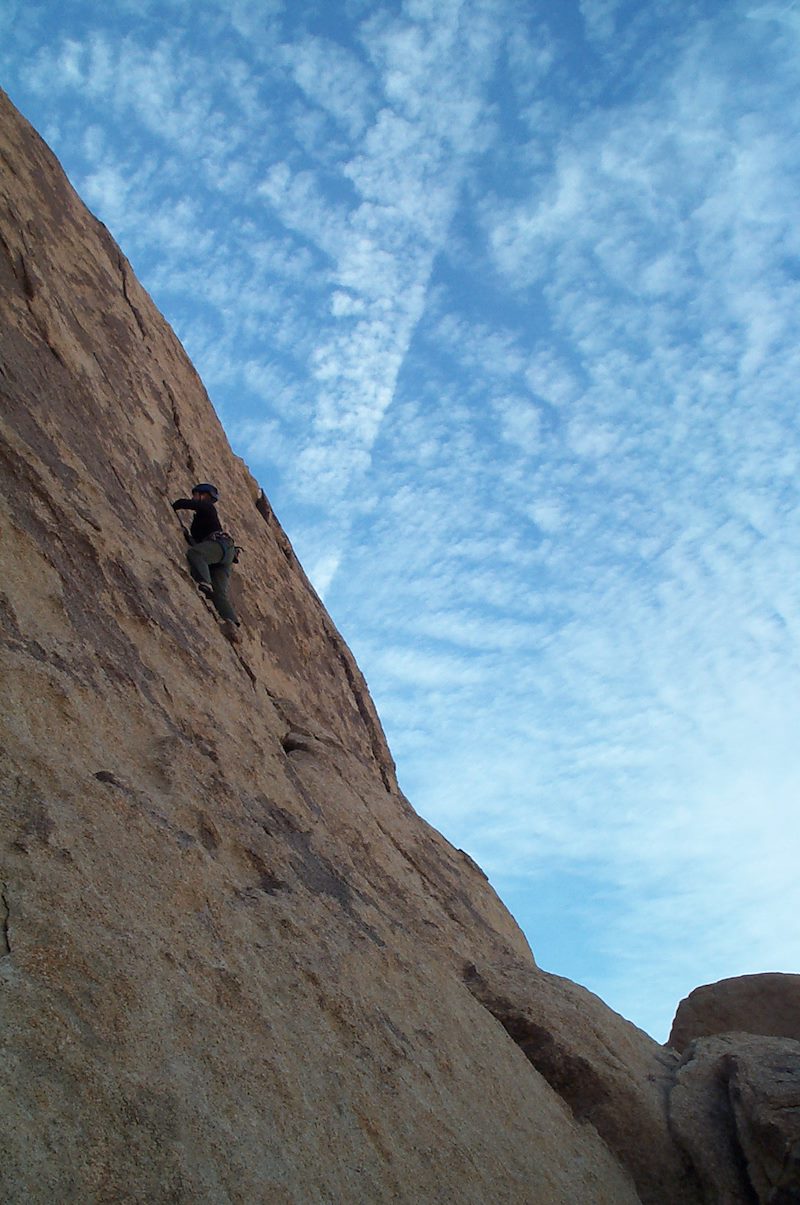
205, 488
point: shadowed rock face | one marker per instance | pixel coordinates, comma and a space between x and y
735, 1110
234, 964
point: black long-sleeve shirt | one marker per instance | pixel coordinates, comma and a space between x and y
205, 521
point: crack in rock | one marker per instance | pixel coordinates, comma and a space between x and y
123, 268
5, 913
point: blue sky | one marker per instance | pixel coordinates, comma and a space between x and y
500, 301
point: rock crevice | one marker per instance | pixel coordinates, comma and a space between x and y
5, 917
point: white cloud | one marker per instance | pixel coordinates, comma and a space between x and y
344, 305
548, 515
324, 570
333, 78
600, 17
108, 189
520, 423
785, 14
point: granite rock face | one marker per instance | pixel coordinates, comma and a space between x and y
235, 965
735, 1110
760, 1004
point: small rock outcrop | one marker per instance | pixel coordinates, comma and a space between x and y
735, 1110
760, 1004
235, 965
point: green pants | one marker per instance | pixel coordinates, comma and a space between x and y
210, 562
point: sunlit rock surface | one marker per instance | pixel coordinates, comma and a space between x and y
235, 965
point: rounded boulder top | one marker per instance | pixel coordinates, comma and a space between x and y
766, 1004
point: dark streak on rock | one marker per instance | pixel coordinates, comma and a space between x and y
299, 787
107, 777
29, 279
209, 837
123, 268
313, 870
297, 742
571, 1076
190, 463
247, 669
358, 690
269, 883
5, 912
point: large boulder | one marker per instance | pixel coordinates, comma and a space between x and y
735, 1110
761, 1004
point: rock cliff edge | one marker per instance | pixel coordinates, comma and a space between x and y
235, 965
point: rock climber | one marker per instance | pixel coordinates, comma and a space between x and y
211, 551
